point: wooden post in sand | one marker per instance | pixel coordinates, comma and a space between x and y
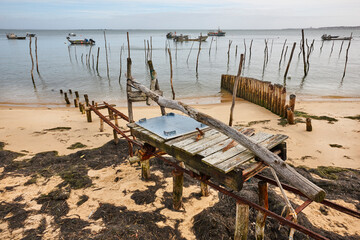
178, 181
241, 221
308, 125
116, 139
283, 102
86, 99
101, 125
145, 169
77, 94
261, 217
290, 116
88, 114
76, 102
235, 87
292, 102
204, 189
66, 99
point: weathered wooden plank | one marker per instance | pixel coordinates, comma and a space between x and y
221, 156
231, 163
204, 142
171, 142
190, 140
148, 133
220, 145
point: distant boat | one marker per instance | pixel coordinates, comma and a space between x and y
72, 34
30, 34
170, 35
185, 38
219, 33
84, 41
14, 36
326, 37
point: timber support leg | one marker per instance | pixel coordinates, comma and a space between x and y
241, 221
88, 114
116, 139
178, 181
146, 153
261, 217
204, 189
145, 169
101, 125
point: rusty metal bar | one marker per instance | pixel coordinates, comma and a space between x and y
120, 114
325, 202
300, 208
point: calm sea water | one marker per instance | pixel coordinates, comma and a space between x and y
61, 67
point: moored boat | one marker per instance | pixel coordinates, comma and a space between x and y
170, 35
13, 36
84, 41
326, 37
219, 33
30, 34
72, 34
185, 38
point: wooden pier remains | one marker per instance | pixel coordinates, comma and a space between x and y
265, 94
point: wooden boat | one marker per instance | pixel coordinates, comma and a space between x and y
185, 38
30, 34
72, 34
13, 36
84, 41
326, 37
219, 33
170, 35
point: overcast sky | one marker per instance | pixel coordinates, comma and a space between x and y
177, 14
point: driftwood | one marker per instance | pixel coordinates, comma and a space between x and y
235, 89
287, 172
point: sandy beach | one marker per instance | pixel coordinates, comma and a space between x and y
31, 131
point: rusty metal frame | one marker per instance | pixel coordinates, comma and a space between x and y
282, 220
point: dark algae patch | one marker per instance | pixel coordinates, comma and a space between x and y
77, 145
76, 177
61, 129
82, 200
306, 115
357, 117
336, 145
13, 213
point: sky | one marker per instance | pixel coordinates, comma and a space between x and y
177, 14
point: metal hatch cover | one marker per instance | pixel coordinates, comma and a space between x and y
170, 125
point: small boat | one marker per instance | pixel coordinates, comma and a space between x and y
185, 38
170, 35
72, 34
219, 33
14, 36
30, 34
81, 41
326, 37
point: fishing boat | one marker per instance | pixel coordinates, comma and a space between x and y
219, 33
326, 37
84, 41
13, 36
72, 34
185, 38
170, 35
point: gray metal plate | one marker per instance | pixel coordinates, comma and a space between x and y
171, 125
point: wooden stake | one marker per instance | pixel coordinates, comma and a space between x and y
145, 169
303, 51
76, 102
261, 217
66, 99
187, 60
235, 89
212, 39
88, 114
36, 56
283, 102
308, 125
197, 59
282, 52
250, 50
128, 82
178, 181
97, 60
107, 61
116, 120
171, 75
290, 116
332, 48
241, 221
80, 107
101, 125
32, 64
86, 97
116, 139
61, 91
291, 55
342, 43
347, 54
292, 102
228, 53
121, 50
204, 189
77, 94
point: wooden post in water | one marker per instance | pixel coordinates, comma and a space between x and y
235, 89
66, 99
171, 75
187, 60
61, 91
36, 56
197, 59
261, 217
128, 82
292, 102
32, 64
76, 102
212, 39
97, 60
241, 221
332, 48
347, 54
77, 94
107, 61
228, 53
308, 125
291, 55
303, 51
82, 58
121, 50
178, 181
250, 50
236, 48
342, 43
